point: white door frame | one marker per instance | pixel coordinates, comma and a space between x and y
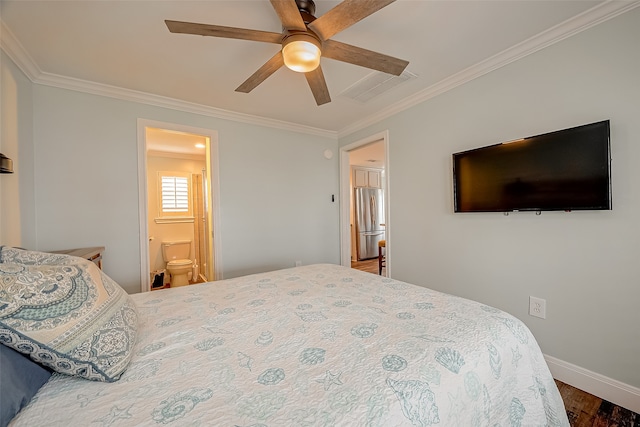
345, 198
214, 172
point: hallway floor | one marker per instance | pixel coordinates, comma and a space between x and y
368, 265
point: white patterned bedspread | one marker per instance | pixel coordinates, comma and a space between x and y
319, 345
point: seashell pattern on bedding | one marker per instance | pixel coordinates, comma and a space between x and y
318, 345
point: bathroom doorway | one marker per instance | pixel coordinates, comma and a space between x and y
178, 177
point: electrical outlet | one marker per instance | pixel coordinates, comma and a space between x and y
298, 263
538, 307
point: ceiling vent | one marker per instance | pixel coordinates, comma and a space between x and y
375, 84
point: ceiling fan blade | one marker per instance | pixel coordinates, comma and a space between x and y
220, 31
363, 57
269, 67
289, 14
318, 86
345, 15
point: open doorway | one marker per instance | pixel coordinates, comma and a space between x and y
364, 213
179, 208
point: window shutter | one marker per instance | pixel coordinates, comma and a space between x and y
175, 194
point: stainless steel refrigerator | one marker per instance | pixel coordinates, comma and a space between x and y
369, 221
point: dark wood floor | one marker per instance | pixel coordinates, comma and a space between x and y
587, 410
583, 409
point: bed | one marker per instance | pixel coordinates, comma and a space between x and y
318, 345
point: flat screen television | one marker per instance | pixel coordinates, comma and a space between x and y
564, 170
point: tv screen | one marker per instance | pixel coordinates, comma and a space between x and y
563, 170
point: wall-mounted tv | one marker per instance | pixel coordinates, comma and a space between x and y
564, 170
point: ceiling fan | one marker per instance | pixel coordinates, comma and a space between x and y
304, 39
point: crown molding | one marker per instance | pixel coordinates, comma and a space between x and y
175, 104
590, 18
18, 54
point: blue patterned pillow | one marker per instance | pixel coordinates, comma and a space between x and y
65, 313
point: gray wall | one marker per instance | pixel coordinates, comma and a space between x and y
82, 175
585, 264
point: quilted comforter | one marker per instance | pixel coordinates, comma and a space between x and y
319, 345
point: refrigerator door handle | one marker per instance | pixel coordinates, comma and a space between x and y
372, 202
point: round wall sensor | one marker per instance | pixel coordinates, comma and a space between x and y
328, 153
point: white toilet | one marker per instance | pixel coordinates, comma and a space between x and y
176, 255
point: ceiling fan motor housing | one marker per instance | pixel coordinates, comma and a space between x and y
307, 10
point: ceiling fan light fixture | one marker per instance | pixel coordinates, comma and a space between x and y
301, 53
304, 39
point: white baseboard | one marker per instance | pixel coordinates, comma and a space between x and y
605, 388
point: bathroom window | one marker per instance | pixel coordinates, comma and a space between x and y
174, 197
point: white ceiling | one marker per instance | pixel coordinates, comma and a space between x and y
370, 155
169, 141
102, 46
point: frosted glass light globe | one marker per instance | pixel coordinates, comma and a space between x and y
301, 55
